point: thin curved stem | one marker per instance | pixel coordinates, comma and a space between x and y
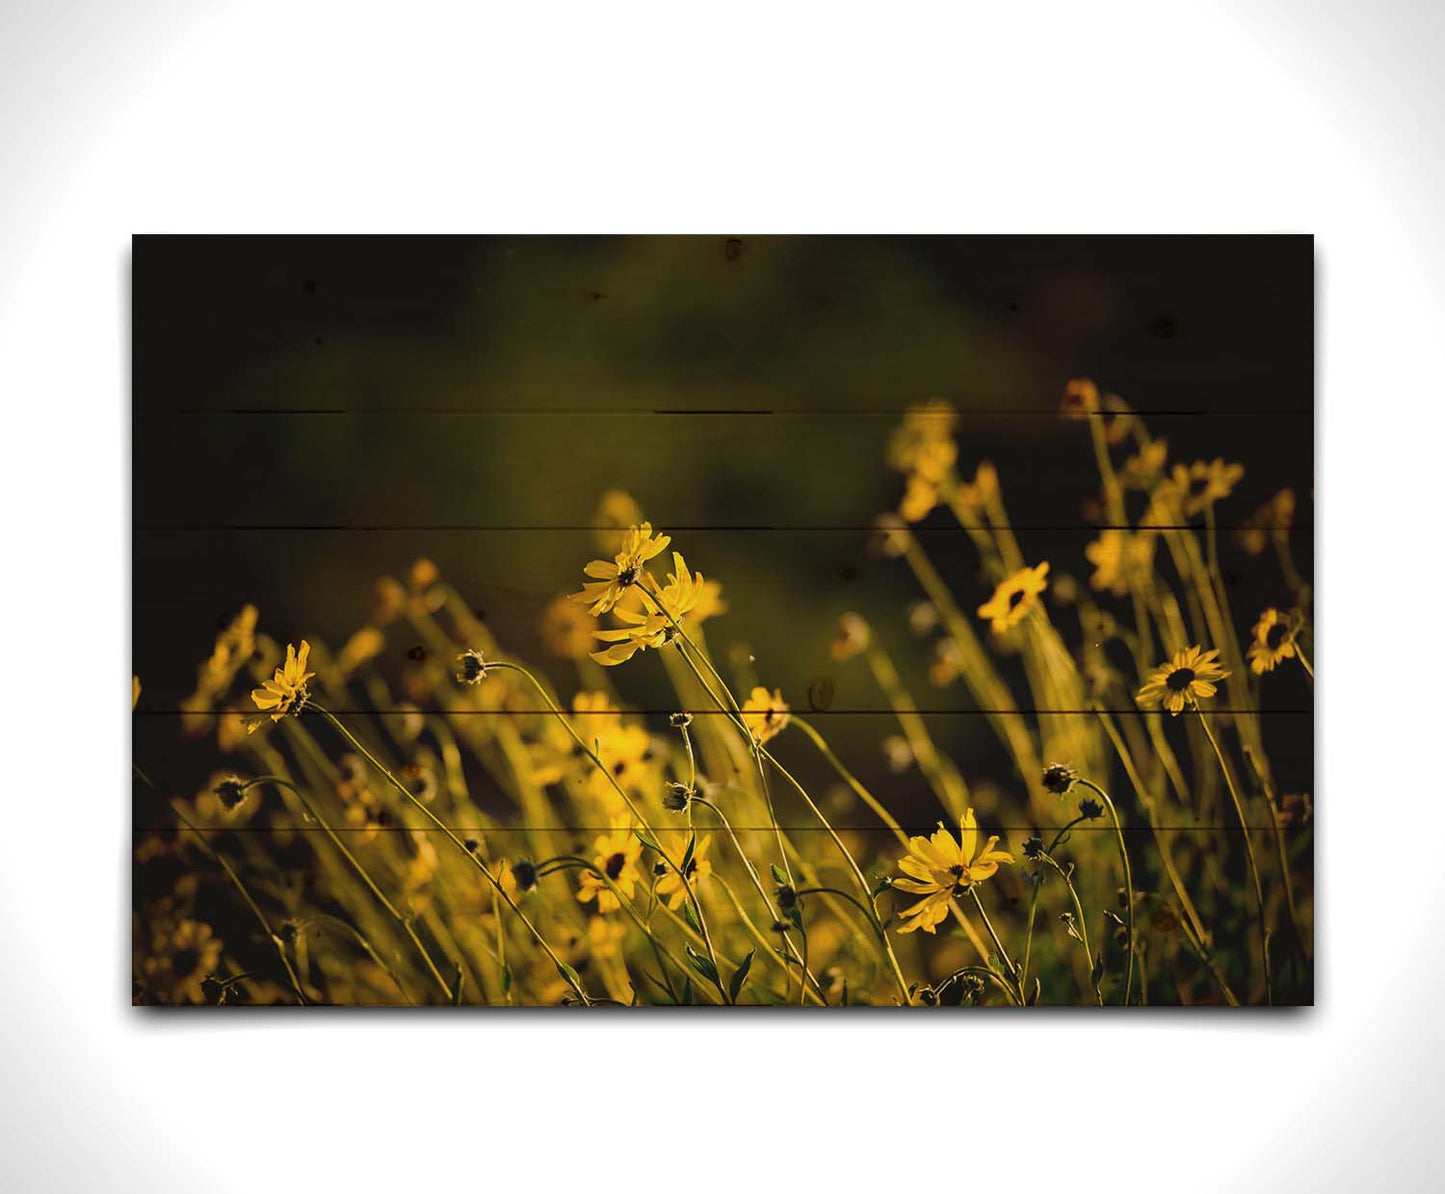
402, 922
1083, 922
235, 881
1249, 850
1128, 882
567, 973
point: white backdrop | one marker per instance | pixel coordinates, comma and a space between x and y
745, 117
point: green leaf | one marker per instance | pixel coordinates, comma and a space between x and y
687, 990
778, 876
647, 840
687, 854
570, 975
703, 965
690, 916
506, 978
740, 976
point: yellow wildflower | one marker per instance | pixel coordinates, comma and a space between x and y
670, 888
765, 713
234, 647
977, 495
1120, 558
1189, 675
615, 854
604, 936
1145, 467
1271, 521
567, 629
923, 443
920, 496
388, 603
710, 603
612, 578
286, 691
658, 627
1014, 597
366, 644
1274, 636
1081, 399
181, 956
940, 868
616, 511
1204, 482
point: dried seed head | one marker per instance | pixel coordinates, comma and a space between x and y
231, 792
677, 797
1059, 778
471, 667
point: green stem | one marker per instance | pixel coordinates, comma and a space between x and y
1128, 882
565, 971
250, 903
1082, 921
998, 944
622, 792
402, 922
1249, 850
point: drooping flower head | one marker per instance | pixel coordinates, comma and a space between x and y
765, 713
670, 604
612, 578
286, 691
1274, 641
1190, 675
1014, 597
938, 868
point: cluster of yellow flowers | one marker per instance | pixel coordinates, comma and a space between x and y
443, 830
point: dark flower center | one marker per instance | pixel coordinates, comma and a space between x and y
1276, 635
628, 576
614, 864
1180, 679
1015, 598
1197, 486
184, 961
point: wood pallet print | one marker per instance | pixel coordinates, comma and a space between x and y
809, 622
